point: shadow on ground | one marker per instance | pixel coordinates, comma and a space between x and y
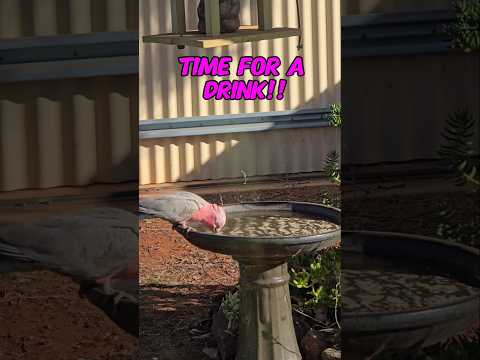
173, 319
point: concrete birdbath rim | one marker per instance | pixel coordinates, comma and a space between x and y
409, 246
321, 212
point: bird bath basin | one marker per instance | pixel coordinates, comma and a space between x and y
261, 236
405, 292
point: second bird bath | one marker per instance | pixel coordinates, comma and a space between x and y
261, 236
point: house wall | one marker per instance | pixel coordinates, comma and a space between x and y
398, 105
22, 18
69, 131
166, 96
364, 7
235, 155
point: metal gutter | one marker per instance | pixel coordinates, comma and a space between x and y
209, 125
406, 33
68, 47
68, 56
124, 65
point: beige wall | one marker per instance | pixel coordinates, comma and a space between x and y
228, 155
20, 18
68, 132
165, 94
73, 131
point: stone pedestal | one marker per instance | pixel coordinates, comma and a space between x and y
266, 324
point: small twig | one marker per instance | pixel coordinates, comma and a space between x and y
310, 317
244, 177
336, 304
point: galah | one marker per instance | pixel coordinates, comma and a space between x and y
93, 248
183, 208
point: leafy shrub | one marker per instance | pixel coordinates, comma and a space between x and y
231, 308
332, 166
317, 279
465, 30
458, 148
336, 115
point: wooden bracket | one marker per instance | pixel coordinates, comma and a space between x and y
212, 17
264, 8
178, 17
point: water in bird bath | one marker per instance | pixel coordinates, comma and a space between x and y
273, 224
375, 284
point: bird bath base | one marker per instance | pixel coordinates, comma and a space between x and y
266, 325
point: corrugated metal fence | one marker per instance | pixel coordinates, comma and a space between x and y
21, 18
403, 104
401, 81
164, 95
69, 131
235, 155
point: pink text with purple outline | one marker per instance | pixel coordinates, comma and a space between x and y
247, 65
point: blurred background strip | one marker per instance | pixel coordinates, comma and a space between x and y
69, 93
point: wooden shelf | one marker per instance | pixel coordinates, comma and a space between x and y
246, 33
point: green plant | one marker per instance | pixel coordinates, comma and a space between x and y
465, 30
231, 307
317, 278
466, 232
332, 161
458, 149
332, 166
335, 115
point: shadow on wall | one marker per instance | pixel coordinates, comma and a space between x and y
32, 18
237, 155
73, 132
166, 95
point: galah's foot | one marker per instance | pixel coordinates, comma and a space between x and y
182, 225
123, 295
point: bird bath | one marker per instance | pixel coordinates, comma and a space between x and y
261, 236
404, 292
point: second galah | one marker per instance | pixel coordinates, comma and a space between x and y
183, 208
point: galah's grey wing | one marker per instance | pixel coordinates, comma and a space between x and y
176, 207
87, 246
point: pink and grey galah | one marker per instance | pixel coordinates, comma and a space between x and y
184, 208
94, 248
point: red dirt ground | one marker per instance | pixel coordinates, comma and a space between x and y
181, 284
43, 318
